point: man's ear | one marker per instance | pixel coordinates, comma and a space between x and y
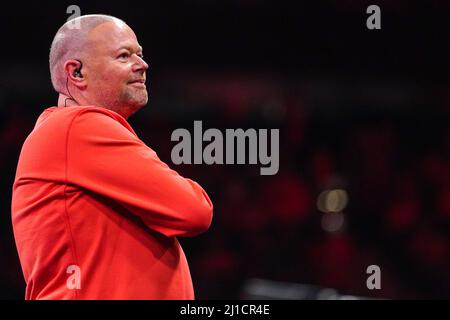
74, 72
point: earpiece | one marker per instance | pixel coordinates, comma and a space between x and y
77, 72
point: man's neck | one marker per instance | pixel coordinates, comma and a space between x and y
66, 101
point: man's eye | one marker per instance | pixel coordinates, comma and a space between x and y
124, 55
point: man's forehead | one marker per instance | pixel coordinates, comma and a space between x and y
114, 35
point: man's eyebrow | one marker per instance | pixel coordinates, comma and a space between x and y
130, 48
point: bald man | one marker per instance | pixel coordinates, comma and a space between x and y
96, 214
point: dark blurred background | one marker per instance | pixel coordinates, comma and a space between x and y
363, 115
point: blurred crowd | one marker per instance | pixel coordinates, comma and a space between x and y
392, 165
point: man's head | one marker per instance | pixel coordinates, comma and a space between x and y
99, 64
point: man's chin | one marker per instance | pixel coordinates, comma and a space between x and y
133, 108
140, 101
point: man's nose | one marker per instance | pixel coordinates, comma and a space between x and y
140, 64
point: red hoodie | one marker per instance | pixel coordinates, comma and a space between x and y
94, 206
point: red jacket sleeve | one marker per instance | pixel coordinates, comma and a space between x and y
105, 157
